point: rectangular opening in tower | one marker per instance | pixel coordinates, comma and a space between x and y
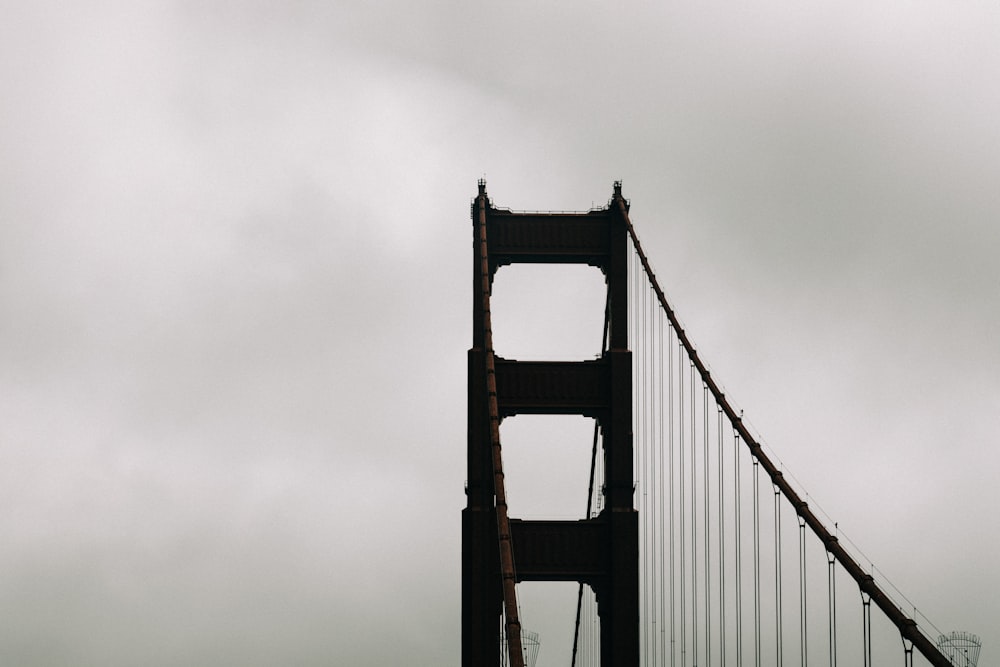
548, 312
548, 613
547, 465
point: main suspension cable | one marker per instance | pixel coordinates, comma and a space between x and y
513, 623
893, 612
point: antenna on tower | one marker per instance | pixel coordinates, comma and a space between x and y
961, 648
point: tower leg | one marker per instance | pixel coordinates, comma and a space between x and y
481, 594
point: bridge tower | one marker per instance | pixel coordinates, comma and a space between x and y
602, 552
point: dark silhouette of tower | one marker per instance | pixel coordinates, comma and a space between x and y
603, 551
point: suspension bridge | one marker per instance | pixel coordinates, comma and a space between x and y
695, 548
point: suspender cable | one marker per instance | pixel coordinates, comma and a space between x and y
664, 489
722, 550
637, 316
777, 575
708, 578
907, 652
694, 526
656, 474
802, 593
681, 496
879, 597
650, 472
866, 628
831, 591
579, 592
739, 542
593, 471
513, 627
671, 471
756, 562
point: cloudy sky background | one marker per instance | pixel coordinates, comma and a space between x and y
235, 292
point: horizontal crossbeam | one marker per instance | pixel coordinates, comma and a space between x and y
552, 238
559, 550
552, 387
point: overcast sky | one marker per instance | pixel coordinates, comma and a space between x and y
235, 292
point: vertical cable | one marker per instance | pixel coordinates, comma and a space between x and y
587, 631
907, 653
708, 579
503, 640
831, 586
593, 475
642, 451
595, 634
739, 540
646, 471
722, 550
650, 475
670, 455
694, 525
777, 574
682, 497
756, 561
633, 332
866, 630
802, 592
654, 484
921, 642
663, 490
655, 479
590, 498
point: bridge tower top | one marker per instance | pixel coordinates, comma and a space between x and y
605, 549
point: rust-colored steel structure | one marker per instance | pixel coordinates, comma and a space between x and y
602, 552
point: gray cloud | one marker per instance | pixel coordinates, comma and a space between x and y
234, 287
